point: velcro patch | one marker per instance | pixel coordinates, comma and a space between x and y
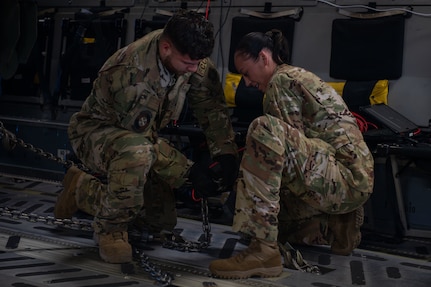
202, 67
142, 121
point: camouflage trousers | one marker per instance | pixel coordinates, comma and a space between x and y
289, 184
140, 180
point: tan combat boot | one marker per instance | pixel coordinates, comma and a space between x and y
66, 204
261, 258
114, 247
346, 231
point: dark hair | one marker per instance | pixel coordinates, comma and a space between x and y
251, 44
191, 34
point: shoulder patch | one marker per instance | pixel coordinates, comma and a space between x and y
202, 67
142, 121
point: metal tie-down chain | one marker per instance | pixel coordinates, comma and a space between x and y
49, 220
10, 141
293, 258
173, 242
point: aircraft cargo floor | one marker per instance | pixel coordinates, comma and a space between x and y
37, 252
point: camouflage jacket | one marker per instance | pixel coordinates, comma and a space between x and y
128, 94
303, 100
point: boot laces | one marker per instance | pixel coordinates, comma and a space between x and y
359, 217
118, 235
240, 257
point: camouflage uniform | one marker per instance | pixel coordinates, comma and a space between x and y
116, 134
304, 160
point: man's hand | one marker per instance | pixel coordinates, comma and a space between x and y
202, 181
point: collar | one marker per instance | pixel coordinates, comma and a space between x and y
166, 78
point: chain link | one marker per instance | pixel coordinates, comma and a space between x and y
162, 277
176, 242
157, 274
49, 220
206, 227
10, 141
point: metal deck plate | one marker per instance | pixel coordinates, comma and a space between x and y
38, 254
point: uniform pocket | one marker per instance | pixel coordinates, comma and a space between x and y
267, 139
